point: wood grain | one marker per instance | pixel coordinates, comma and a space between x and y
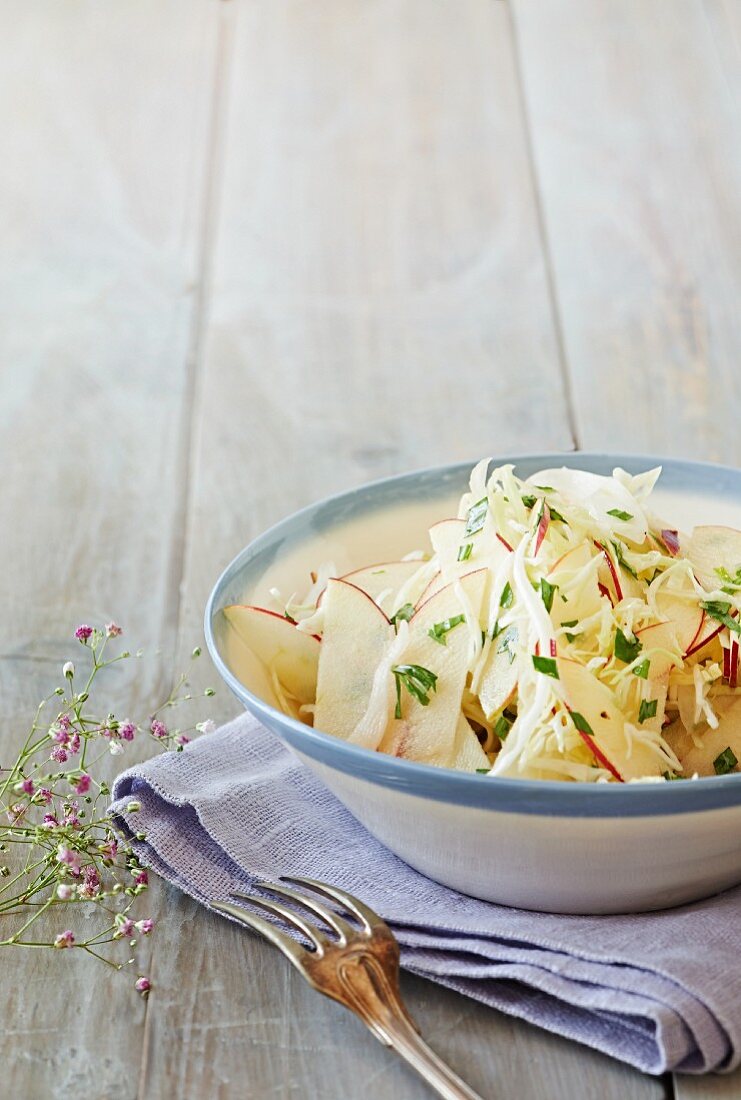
634, 117
100, 212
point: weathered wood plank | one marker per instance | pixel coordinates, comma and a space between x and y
634, 115
378, 301
103, 116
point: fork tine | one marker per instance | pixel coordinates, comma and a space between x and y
368, 918
290, 948
295, 919
344, 930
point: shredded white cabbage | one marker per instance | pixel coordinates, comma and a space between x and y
572, 656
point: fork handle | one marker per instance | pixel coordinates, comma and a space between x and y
406, 1041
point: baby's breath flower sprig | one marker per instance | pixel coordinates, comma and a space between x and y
60, 853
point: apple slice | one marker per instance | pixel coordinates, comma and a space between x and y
711, 548
376, 579
699, 758
594, 702
709, 630
500, 676
683, 622
582, 602
428, 733
447, 536
467, 754
280, 646
356, 635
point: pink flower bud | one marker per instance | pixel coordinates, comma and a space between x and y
83, 632
143, 985
112, 630
82, 786
64, 939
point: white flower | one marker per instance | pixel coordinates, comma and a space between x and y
115, 748
64, 892
206, 727
68, 669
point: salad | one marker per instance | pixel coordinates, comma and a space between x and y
554, 629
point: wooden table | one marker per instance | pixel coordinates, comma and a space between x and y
258, 251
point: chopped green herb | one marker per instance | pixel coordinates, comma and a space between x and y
581, 723
438, 630
289, 617
476, 516
547, 592
555, 515
377, 572
569, 636
483, 771
502, 727
506, 599
647, 709
418, 681
464, 553
404, 614
547, 666
641, 670
496, 629
726, 762
529, 500
720, 611
625, 650
669, 776
545, 488
508, 639
619, 554
731, 581
571, 622
619, 514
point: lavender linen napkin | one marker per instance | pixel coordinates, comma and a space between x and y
661, 991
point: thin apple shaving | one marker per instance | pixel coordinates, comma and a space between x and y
554, 628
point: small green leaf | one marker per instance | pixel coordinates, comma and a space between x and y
464, 553
476, 516
619, 514
625, 649
506, 600
547, 666
720, 611
725, 762
404, 614
547, 592
647, 709
438, 630
581, 723
502, 727
641, 670
418, 681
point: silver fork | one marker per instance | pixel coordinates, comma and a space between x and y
360, 969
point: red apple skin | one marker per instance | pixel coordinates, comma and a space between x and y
699, 642
613, 571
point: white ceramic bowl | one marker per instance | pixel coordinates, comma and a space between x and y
556, 847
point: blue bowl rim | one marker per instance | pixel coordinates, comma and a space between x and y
525, 796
